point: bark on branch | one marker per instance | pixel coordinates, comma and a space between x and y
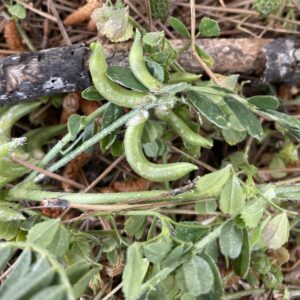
59, 70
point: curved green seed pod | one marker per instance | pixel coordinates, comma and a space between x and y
10, 116
138, 65
8, 169
3, 109
146, 169
177, 77
36, 138
183, 130
110, 90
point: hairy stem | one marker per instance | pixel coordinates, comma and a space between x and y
19, 193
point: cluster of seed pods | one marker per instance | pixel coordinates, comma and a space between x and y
121, 96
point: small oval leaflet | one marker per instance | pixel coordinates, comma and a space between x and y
124, 77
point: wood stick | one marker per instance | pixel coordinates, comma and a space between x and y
59, 70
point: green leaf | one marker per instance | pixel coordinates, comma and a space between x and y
173, 257
152, 131
74, 123
264, 102
211, 184
288, 122
5, 255
112, 113
191, 231
232, 199
173, 88
204, 56
21, 267
253, 212
245, 116
9, 230
135, 225
277, 163
276, 232
50, 235
209, 27
29, 276
91, 93
54, 292
76, 270
231, 240
199, 278
157, 251
208, 109
206, 207
233, 137
135, 270
154, 39
116, 148
17, 10
155, 69
155, 280
155, 149
216, 292
30, 222
242, 263
81, 285
179, 27
156, 294
124, 77
88, 131
107, 142
9, 214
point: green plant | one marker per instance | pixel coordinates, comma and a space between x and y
166, 257
159, 8
107, 88
182, 129
266, 7
140, 164
138, 65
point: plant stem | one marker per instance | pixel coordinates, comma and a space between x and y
65, 140
96, 138
204, 66
241, 294
19, 193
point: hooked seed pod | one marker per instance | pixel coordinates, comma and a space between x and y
110, 90
182, 129
8, 169
142, 166
11, 115
138, 65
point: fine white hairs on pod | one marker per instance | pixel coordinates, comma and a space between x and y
139, 118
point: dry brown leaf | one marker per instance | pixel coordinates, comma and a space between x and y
70, 106
88, 107
12, 37
132, 185
83, 13
106, 189
72, 169
52, 213
91, 26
